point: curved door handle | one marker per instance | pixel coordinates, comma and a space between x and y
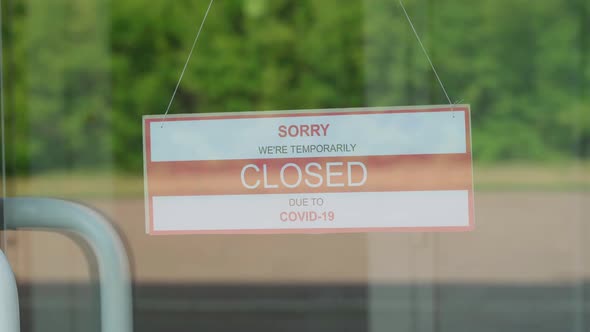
113, 265
9, 315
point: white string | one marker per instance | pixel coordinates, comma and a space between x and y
427, 56
186, 63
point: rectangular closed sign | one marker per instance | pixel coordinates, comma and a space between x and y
320, 171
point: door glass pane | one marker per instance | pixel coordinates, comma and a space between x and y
80, 74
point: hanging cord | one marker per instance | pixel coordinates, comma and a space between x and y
440, 82
186, 63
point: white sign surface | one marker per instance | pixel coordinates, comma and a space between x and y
324, 171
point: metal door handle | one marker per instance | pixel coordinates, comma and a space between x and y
113, 265
9, 315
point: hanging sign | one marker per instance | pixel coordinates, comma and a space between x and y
321, 171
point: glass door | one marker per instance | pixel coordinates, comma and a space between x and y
79, 75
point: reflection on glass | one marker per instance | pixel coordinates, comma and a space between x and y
79, 76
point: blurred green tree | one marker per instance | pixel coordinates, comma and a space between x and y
81, 73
